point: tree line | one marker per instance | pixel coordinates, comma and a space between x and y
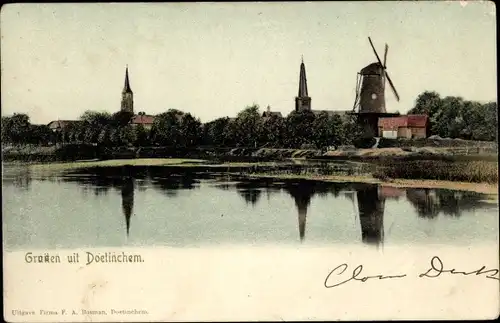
180, 129
454, 117
449, 117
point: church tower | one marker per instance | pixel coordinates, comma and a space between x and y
302, 101
127, 96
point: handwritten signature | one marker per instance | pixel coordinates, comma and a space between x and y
435, 270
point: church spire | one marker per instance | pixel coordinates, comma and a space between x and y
302, 101
126, 87
127, 95
303, 80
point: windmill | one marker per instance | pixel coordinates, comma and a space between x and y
369, 104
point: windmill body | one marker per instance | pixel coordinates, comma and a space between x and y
372, 97
369, 104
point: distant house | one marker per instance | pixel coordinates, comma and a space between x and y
408, 126
268, 113
144, 119
60, 125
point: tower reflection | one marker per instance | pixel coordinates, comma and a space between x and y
371, 214
302, 194
127, 191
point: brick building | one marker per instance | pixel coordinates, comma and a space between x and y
145, 120
408, 126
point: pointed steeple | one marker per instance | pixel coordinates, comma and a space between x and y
302, 100
303, 80
126, 87
127, 95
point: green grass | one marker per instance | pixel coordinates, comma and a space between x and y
462, 171
119, 162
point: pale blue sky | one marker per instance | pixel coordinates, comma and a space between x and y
213, 59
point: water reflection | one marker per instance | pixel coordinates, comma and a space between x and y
368, 200
371, 207
302, 193
20, 177
251, 196
429, 203
249, 191
128, 187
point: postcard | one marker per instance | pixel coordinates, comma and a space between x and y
249, 161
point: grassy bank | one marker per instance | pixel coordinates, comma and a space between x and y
461, 171
118, 163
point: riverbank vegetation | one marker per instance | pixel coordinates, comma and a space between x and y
254, 138
462, 171
449, 117
175, 128
475, 176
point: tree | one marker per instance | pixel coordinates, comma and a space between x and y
481, 121
248, 126
121, 118
352, 131
429, 102
273, 131
166, 128
141, 136
230, 133
90, 133
338, 130
299, 128
127, 135
323, 132
95, 118
215, 132
457, 118
447, 121
105, 136
16, 128
39, 135
190, 129
114, 136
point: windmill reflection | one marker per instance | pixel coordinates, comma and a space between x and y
371, 214
370, 198
127, 190
371, 208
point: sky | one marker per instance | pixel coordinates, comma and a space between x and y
214, 59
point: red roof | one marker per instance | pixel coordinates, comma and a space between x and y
410, 121
142, 119
417, 120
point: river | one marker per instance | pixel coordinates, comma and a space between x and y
145, 206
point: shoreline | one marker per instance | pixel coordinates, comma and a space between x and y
479, 187
484, 188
